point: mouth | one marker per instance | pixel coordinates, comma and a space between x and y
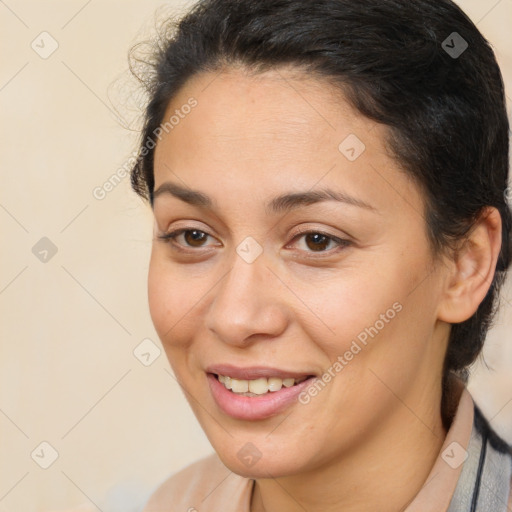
255, 393
260, 386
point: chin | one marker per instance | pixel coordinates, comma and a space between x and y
250, 463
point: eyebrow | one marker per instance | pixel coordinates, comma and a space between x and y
279, 204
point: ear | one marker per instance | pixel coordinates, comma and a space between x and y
472, 269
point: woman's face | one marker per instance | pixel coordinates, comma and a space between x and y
246, 294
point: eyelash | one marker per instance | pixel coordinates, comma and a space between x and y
342, 243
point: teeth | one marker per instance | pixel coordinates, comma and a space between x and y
275, 384
257, 386
239, 386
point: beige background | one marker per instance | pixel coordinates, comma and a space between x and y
68, 373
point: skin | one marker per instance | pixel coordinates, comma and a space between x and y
249, 139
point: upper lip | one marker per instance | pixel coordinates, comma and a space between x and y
255, 372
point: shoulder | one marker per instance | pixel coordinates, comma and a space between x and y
483, 426
202, 485
493, 486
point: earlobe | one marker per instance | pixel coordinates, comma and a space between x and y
472, 269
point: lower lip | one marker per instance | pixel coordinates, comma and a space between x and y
257, 407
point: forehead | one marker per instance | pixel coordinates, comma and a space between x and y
275, 103
275, 130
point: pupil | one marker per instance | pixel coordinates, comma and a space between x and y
316, 238
194, 237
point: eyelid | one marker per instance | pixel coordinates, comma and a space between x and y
312, 229
170, 236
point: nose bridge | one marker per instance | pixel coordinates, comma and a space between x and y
245, 303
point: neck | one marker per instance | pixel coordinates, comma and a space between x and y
393, 462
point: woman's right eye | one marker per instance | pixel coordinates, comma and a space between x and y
191, 237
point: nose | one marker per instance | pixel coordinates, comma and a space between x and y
247, 304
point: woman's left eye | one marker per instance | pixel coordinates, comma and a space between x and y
316, 241
313, 241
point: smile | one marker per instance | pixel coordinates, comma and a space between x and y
259, 386
258, 396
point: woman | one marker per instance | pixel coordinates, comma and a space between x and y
328, 185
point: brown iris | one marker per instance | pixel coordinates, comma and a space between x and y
195, 237
319, 241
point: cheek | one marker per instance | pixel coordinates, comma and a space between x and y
168, 299
168, 305
177, 299
369, 309
157, 295
343, 305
